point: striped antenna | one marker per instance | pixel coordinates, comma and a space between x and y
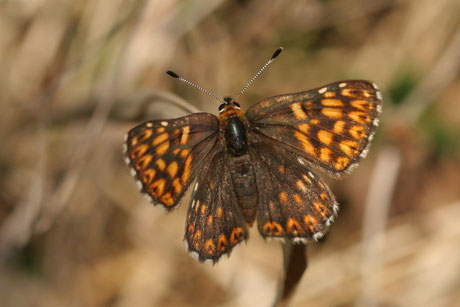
275, 54
176, 76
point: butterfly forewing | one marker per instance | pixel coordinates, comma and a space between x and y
165, 155
330, 127
214, 225
294, 203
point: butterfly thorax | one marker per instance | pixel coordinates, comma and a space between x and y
234, 129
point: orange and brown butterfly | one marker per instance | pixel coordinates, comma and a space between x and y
255, 165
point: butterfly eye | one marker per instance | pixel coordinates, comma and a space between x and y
237, 105
221, 107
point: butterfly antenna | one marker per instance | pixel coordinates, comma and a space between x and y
275, 54
174, 75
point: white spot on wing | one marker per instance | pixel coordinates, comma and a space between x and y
343, 84
132, 172
379, 95
125, 148
194, 255
300, 161
139, 184
299, 240
126, 137
208, 262
318, 236
127, 161
196, 187
375, 86
311, 175
323, 90
164, 124
335, 208
329, 221
150, 125
376, 122
186, 245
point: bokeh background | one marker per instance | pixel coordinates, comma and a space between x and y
75, 76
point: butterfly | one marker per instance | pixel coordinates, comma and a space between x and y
257, 165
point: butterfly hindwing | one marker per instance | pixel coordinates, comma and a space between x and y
214, 224
165, 155
330, 127
294, 202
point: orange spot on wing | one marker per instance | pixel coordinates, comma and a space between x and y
177, 186
325, 137
325, 154
210, 247
361, 104
210, 220
332, 113
283, 197
237, 235
349, 147
282, 169
139, 151
338, 126
220, 212
160, 138
161, 164
305, 142
146, 134
359, 117
304, 128
273, 229
321, 209
293, 226
341, 163
329, 94
222, 243
148, 175
357, 132
297, 198
301, 186
184, 153
172, 169
144, 162
167, 199
310, 222
187, 168
162, 148
185, 133
197, 239
157, 187
332, 102
298, 111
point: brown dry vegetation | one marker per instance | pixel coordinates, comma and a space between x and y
75, 76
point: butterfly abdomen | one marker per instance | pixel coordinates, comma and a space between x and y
244, 183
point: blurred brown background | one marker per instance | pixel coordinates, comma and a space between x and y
75, 76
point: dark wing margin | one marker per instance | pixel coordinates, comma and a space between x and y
165, 155
294, 202
214, 224
330, 127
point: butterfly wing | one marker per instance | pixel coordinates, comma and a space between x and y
293, 202
214, 224
330, 127
165, 155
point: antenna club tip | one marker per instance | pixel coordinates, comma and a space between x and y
277, 52
173, 74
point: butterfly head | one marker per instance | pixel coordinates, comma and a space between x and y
229, 105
